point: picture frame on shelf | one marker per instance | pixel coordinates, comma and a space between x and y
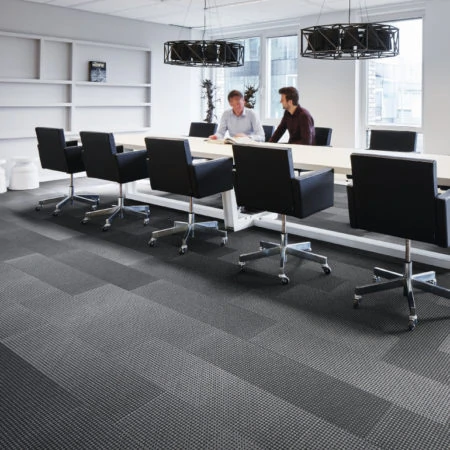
97, 71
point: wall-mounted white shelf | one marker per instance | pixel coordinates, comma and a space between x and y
46, 83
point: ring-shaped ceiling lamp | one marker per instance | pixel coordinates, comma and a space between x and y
204, 53
350, 41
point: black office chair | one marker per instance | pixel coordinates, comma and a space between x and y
398, 197
202, 129
265, 181
57, 154
268, 131
106, 161
393, 140
323, 136
171, 169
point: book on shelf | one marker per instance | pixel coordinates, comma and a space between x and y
232, 140
97, 71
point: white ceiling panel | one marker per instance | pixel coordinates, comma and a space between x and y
218, 13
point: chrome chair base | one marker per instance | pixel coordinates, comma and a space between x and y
300, 250
426, 281
118, 210
188, 230
62, 200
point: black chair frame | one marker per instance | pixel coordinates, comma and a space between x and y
171, 169
115, 161
430, 231
58, 154
272, 186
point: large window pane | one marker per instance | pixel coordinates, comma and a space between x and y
282, 57
239, 78
395, 84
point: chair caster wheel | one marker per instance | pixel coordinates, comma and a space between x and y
326, 269
412, 324
106, 227
241, 266
152, 242
38, 208
85, 221
356, 301
376, 279
94, 207
56, 212
146, 222
182, 250
224, 242
284, 279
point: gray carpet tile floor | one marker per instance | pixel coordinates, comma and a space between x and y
106, 343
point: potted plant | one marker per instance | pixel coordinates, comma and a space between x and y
249, 96
209, 89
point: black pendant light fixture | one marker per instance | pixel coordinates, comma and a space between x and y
204, 53
350, 41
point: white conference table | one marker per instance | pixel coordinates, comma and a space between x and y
304, 157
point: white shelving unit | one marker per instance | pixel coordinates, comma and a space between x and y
44, 82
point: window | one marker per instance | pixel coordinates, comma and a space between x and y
239, 78
282, 68
394, 85
283, 57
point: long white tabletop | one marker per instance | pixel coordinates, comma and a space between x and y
304, 157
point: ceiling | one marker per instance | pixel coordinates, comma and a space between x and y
219, 13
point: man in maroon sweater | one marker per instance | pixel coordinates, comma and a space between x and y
297, 120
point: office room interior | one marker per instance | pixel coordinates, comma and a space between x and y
217, 359
330, 89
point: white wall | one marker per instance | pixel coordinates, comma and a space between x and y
327, 90
175, 93
436, 77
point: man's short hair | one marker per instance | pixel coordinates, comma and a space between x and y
290, 93
235, 93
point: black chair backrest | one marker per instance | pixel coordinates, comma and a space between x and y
323, 136
263, 178
392, 140
394, 196
169, 165
268, 131
202, 129
99, 150
51, 144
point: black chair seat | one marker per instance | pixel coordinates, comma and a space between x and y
399, 197
171, 169
57, 154
106, 161
265, 180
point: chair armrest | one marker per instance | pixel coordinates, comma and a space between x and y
443, 219
72, 143
74, 158
212, 177
132, 165
313, 192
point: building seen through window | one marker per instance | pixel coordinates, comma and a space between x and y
283, 60
394, 85
227, 79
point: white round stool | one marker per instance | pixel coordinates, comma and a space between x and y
24, 174
2, 176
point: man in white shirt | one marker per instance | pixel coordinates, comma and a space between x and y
239, 121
